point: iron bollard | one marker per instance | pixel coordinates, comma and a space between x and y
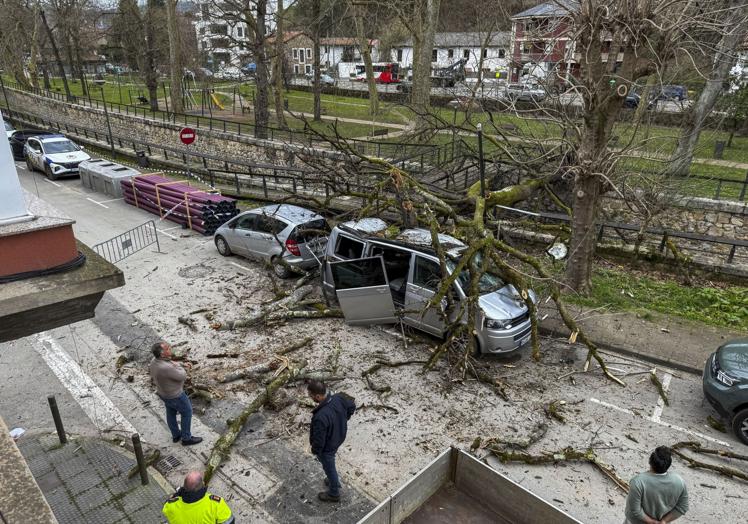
139, 457
58, 420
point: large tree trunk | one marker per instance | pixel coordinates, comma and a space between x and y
33, 64
280, 52
56, 52
427, 18
262, 94
79, 62
175, 57
148, 67
363, 43
724, 59
317, 87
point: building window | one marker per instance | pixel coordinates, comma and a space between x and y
301, 56
204, 9
433, 55
308, 54
202, 31
240, 32
502, 53
296, 69
485, 53
466, 53
295, 53
308, 69
450, 53
399, 55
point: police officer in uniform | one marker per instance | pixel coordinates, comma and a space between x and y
192, 504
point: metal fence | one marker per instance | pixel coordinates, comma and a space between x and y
129, 242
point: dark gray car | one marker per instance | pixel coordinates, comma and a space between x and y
285, 235
726, 384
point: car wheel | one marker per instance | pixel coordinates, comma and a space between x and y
49, 173
740, 426
223, 247
29, 165
281, 270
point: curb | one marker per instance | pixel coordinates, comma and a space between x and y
629, 353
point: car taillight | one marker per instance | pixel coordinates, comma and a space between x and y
293, 247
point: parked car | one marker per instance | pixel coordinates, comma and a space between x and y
229, 73
18, 141
285, 235
249, 69
324, 79
54, 155
725, 384
524, 93
671, 92
9, 130
404, 87
378, 281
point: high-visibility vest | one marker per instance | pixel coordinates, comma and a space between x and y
211, 509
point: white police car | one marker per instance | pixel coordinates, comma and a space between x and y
55, 155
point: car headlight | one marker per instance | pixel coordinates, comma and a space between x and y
726, 379
497, 324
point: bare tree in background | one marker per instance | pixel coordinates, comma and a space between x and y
176, 69
363, 43
277, 63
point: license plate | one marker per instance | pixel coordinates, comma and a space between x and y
525, 340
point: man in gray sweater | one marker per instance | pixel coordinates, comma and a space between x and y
169, 377
656, 496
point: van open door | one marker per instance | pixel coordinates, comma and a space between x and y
363, 291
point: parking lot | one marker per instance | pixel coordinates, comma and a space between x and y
271, 476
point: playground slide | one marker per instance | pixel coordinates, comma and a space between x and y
216, 101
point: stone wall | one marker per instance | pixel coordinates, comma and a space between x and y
701, 216
211, 142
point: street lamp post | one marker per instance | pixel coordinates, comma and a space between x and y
108, 124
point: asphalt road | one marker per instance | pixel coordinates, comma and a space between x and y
273, 482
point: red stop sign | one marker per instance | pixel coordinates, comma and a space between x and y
187, 135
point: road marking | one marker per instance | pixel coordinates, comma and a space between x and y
102, 412
660, 401
167, 234
666, 424
239, 266
97, 203
53, 183
169, 229
111, 200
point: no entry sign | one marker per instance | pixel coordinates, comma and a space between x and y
187, 135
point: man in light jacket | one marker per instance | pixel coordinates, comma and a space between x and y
656, 496
169, 377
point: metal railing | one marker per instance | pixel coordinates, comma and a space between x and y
388, 149
129, 242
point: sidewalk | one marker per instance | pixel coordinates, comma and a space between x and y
86, 481
663, 340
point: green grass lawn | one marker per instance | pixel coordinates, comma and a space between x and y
618, 290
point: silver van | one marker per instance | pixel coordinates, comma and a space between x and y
283, 234
378, 281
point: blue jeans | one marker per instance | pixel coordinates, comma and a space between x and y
183, 406
328, 464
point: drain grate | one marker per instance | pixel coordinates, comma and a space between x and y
167, 464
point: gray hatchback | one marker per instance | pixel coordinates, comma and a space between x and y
726, 384
285, 235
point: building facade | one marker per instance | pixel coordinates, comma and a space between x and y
486, 52
340, 55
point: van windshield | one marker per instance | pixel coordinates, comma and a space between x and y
488, 282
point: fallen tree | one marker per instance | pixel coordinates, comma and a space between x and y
223, 445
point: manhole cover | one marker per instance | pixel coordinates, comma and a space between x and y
197, 271
167, 464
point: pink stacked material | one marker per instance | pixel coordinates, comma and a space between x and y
179, 202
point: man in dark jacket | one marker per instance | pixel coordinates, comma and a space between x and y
327, 433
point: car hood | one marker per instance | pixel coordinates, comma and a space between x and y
733, 358
504, 303
64, 158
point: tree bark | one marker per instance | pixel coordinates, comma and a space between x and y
175, 57
317, 87
724, 59
150, 75
56, 52
280, 52
262, 115
427, 18
363, 43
